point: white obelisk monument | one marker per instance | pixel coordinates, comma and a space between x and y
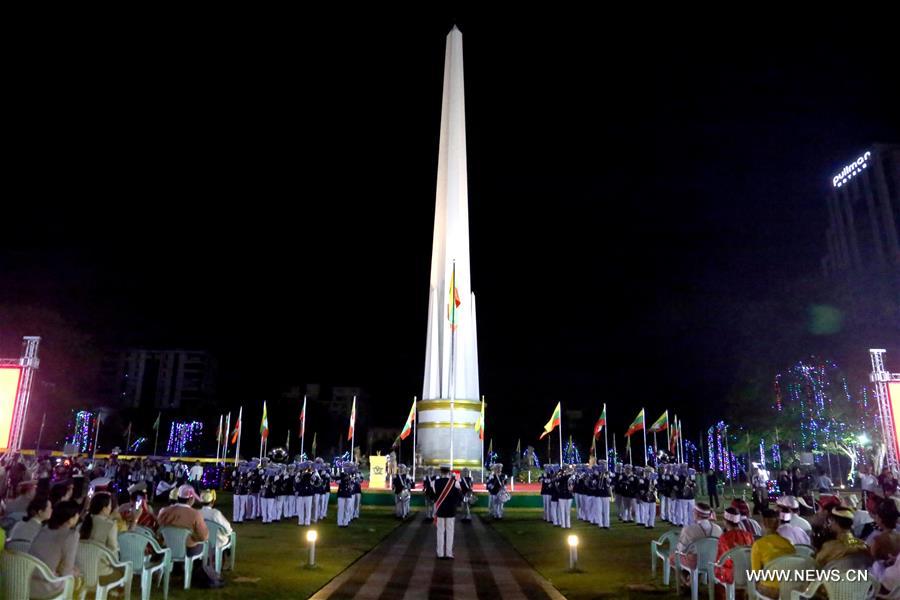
450, 403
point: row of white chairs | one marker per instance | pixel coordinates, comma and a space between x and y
17, 567
706, 549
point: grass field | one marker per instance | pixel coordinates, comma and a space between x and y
271, 558
612, 563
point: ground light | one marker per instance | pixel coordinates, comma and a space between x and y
573, 552
311, 537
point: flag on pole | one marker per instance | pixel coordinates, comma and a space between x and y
479, 424
519, 447
673, 440
264, 425
453, 302
554, 420
237, 428
636, 425
314, 444
594, 448
156, 423
601, 423
661, 424
219, 431
352, 419
407, 428
126, 432
490, 447
303, 418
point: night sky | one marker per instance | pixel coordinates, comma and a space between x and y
270, 197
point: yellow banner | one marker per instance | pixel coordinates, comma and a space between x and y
378, 473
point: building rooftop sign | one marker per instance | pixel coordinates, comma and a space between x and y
851, 170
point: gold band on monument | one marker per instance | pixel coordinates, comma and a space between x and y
436, 462
445, 425
445, 404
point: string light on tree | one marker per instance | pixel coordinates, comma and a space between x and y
181, 435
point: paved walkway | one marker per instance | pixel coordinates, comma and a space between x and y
405, 566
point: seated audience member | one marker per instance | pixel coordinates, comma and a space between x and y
821, 531
145, 516
747, 523
732, 537
790, 532
61, 492
99, 526
183, 514
793, 504
884, 542
702, 527
25, 493
210, 513
844, 543
766, 549
56, 545
39, 511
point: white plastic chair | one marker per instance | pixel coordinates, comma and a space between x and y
804, 550
176, 541
893, 594
132, 548
214, 530
89, 556
788, 562
661, 549
839, 590
740, 559
17, 569
142, 530
705, 549
19, 545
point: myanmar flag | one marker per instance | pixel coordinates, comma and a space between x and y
601, 423
479, 424
352, 420
264, 425
407, 429
237, 428
661, 424
553, 422
676, 433
637, 424
453, 302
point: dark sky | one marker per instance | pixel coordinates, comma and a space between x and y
269, 195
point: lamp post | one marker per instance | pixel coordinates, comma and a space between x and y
311, 537
573, 552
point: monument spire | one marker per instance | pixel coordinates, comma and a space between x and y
451, 349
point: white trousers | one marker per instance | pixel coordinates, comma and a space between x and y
323, 505
565, 512
357, 501
671, 504
279, 508
445, 536
399, 506
554, 511
237, 509
292, 505
624, 504
638, 511
252, 506
602, 511
344, 511
316, 504
267, 509
649, 511
662, 508
546, 499
496, 506
304, 510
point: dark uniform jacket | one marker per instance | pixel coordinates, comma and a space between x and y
447, 509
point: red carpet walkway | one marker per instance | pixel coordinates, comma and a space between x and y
405, 566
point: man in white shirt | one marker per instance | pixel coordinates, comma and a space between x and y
195, 475
207, 500
791, 503
790, 532
701, 528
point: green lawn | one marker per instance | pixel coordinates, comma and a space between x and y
271, 558
613, 563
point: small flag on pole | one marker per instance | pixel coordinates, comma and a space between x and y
479, 424
453, 302
407, 428
601, 423
156, 423
126, 432
661, 424
237, 428
637, 424
352, 419
303, 418
314, 444
264, 425
554, 420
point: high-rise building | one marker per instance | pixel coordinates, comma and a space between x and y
864, 212
161, 379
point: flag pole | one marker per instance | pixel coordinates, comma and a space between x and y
303, 428
606, 436
227, 434
644, 412
237, 449
96, 436
41, 433
655, 450
560, 436
219, 439
452, 357
156, 443
353, 433
668, 431
482, 440
415, 421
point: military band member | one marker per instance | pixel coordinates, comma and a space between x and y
448, 495
604, 492
324, 489
554, 496
428, 493
647, 498
254, 487
401, 485
564, 486
357, 491
675, 497
467, 488
591, 496
496, 485
662, 488
546, 482
303, 489
345, 499
267, 496
239, 502
688, 494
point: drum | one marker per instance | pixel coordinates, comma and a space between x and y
404, 495
503, 496
470, 498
